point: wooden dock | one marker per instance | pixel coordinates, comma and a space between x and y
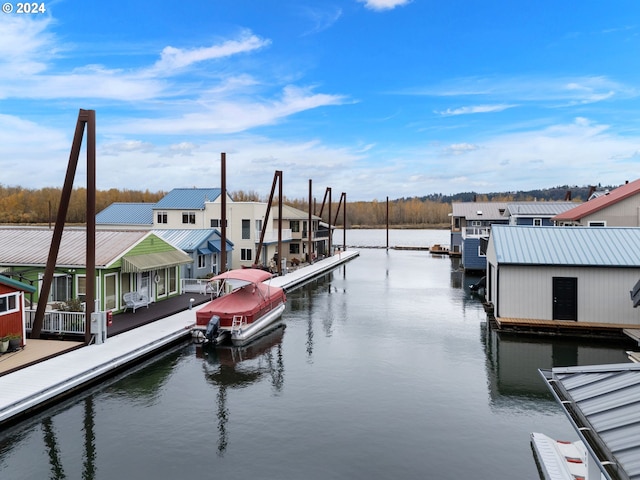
565, 327
41, 383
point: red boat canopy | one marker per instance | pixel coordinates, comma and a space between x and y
251, 275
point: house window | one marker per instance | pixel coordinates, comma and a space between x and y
476, 223
295, 225
246, 254
189, 217
201, 261
537, 222
9, 303
173, 279
598, 224
81, 287
246, 229
111, 291
294, 248
60, 288
162, 217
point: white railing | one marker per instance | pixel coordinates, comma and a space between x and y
272, 235
195, 285
58, 322
476, 231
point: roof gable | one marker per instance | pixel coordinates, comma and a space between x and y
566, 246
188, 198
603, 201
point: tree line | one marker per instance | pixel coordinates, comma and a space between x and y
36, 206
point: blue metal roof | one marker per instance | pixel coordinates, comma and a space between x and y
126, 214
188, 198
192, 239
567, 246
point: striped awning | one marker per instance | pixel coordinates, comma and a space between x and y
154, 261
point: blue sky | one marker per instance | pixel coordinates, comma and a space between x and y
374, 98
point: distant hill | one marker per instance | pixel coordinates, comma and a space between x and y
546, 194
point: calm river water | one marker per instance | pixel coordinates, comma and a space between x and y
382, 369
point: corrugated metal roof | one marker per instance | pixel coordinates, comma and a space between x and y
567, 246
126, 214
606, 400
291, 213
539, 208
479, 210
600, 202
188, 198
30, 246
191, 239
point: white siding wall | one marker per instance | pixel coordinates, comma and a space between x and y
621, 214
603, 293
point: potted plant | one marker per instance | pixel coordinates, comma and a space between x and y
14, 341
4, 343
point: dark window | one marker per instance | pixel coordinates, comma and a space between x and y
246, 229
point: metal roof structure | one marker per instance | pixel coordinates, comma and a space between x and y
479, 210
30, 246
567, 246
291, 213
600, 202
126, 214
15, 284
193, 239
603, 404
188, 198
543, 209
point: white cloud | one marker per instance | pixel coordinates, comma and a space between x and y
541, 89
172, 59
474, 109
228, 116
321, 18
380, 5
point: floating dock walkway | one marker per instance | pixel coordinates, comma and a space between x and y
36, 386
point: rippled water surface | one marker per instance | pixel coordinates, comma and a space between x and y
382, 369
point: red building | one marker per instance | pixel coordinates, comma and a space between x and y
12, 306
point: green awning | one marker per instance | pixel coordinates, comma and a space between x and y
154, 261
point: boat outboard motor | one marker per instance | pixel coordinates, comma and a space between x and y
212, 328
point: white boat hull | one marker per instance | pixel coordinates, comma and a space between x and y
247, 332
560, 460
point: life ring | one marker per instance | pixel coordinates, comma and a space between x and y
156, 278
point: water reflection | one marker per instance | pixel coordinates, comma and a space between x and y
238, 367
513, 360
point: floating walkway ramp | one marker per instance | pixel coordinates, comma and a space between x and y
41, 384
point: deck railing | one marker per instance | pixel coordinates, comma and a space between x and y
60, 323
195, 285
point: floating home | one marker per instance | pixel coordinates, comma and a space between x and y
563, 278
126, 261
616, 208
